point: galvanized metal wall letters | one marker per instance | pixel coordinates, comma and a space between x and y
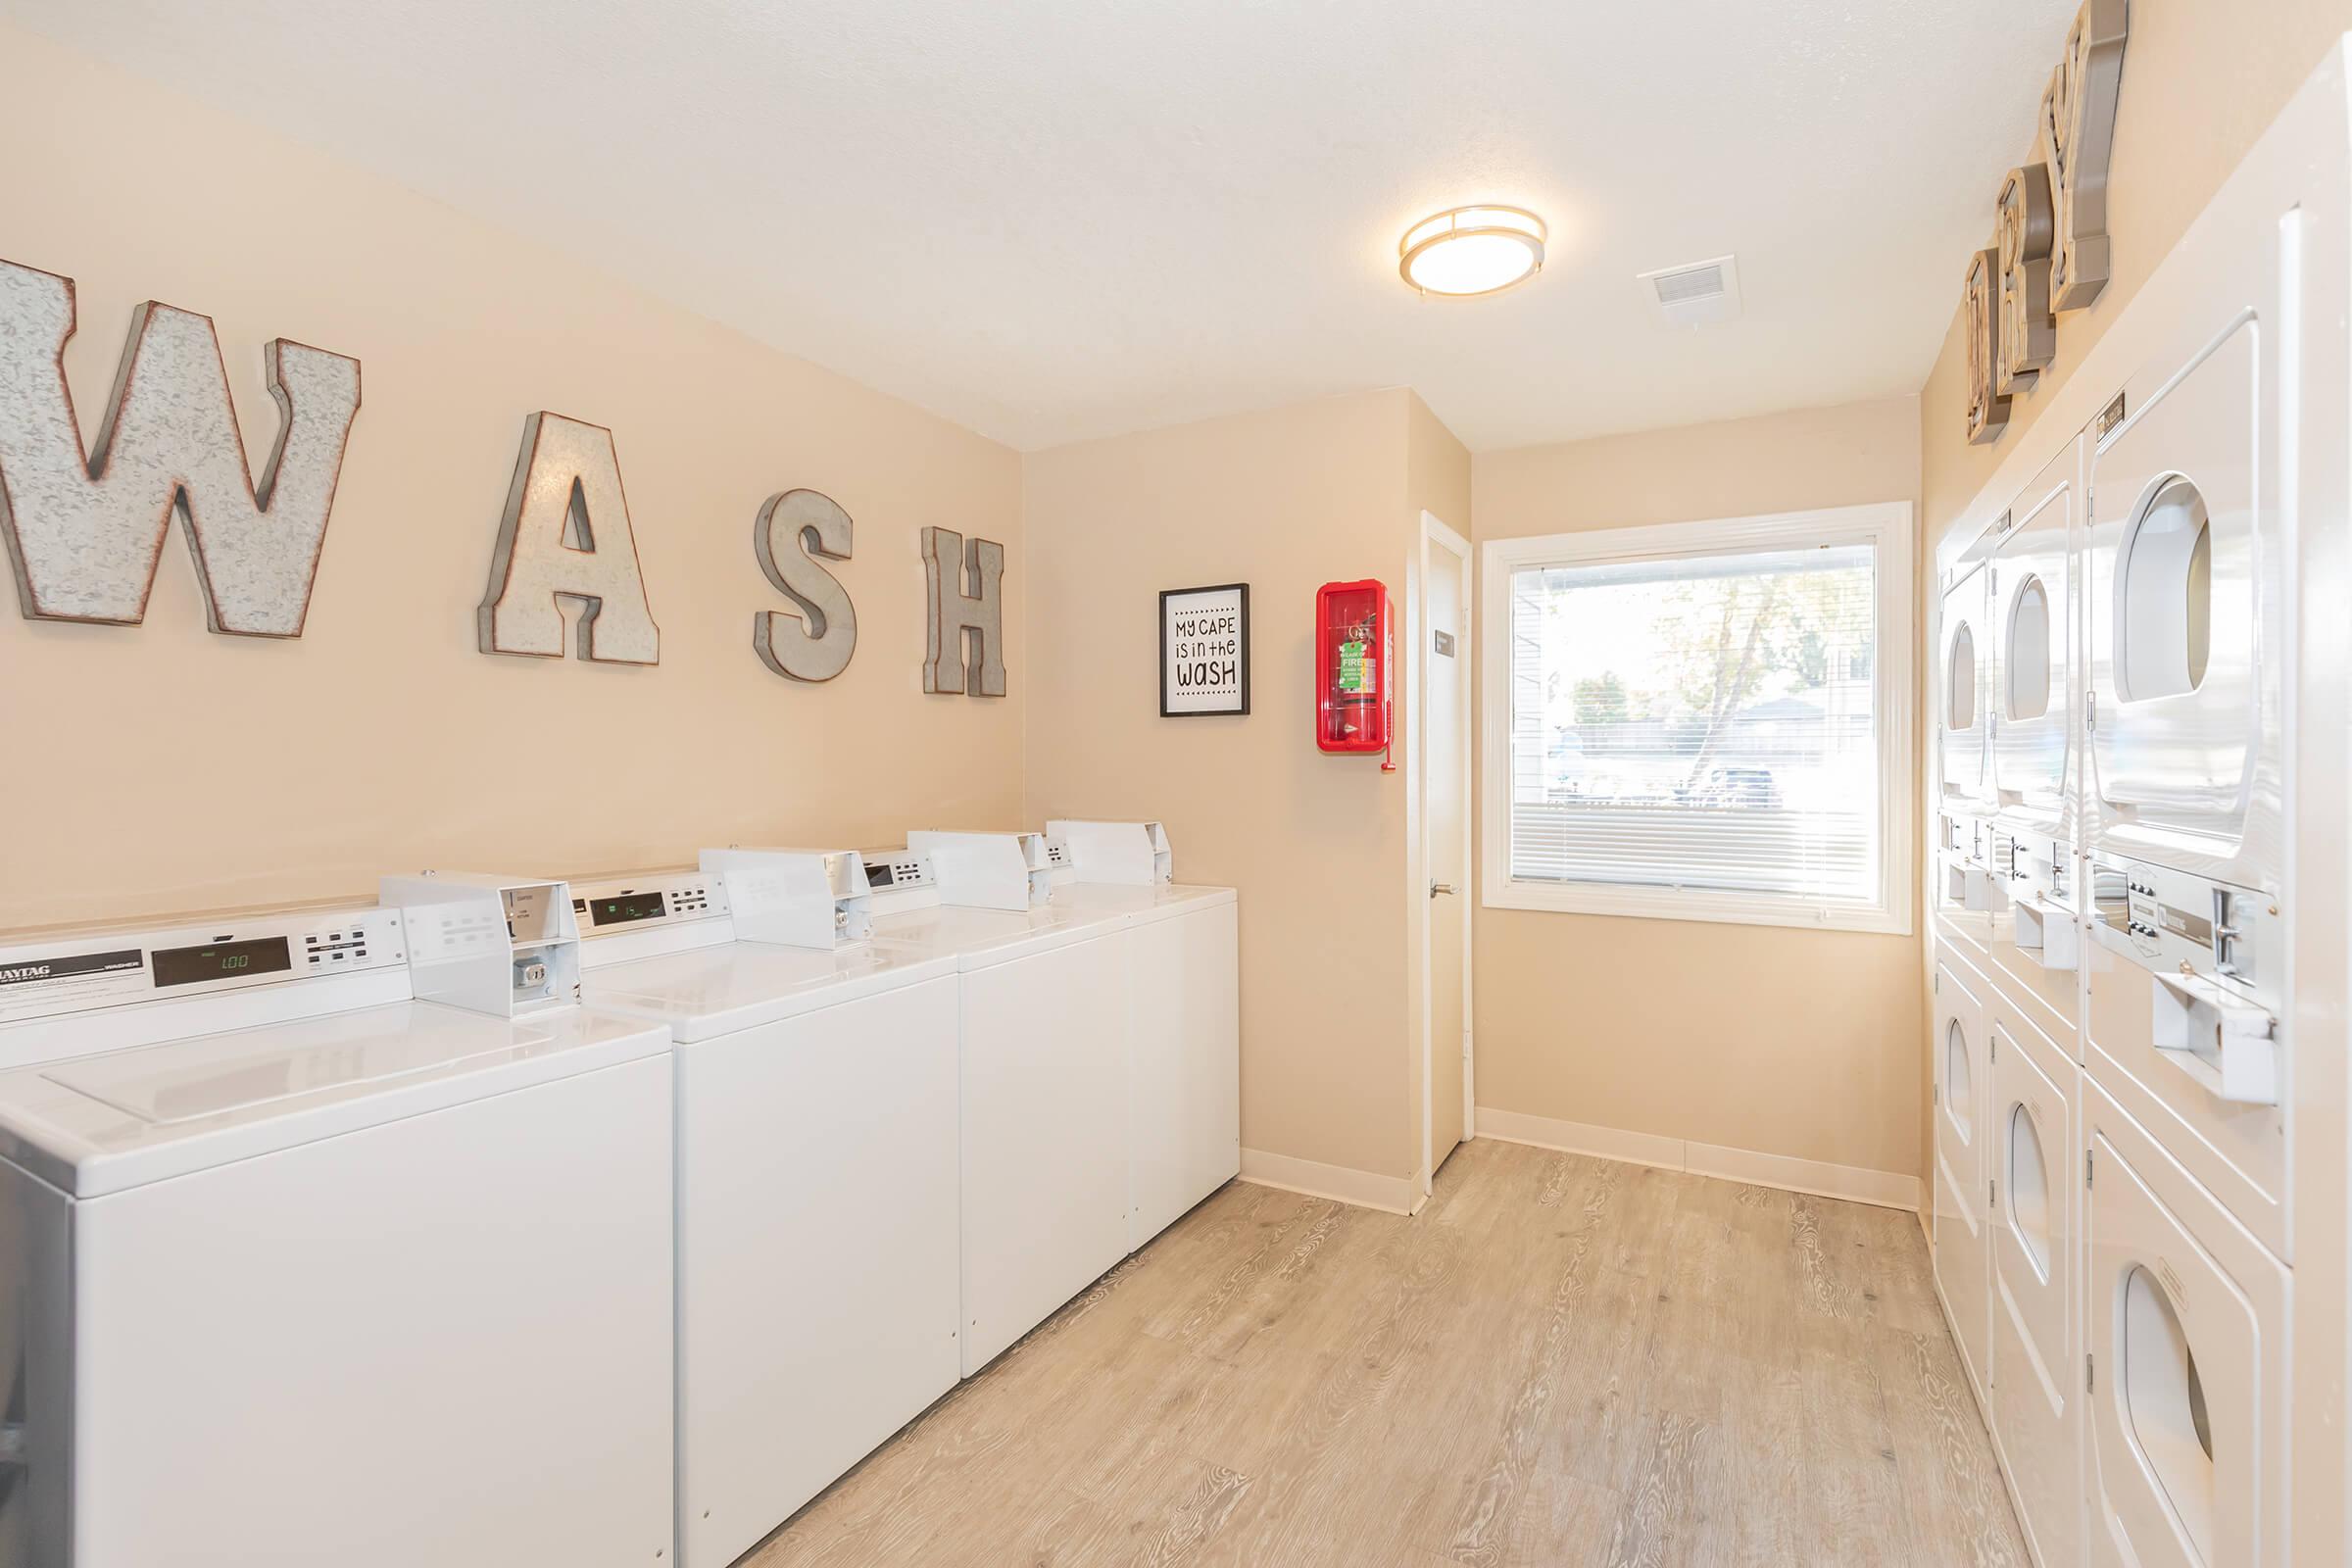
567, 537
83, 532
965, 583
2050, 225
1980, 326
84, 529
2023, 228
2078, 133
816, 644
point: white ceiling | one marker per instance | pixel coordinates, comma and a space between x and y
1058, 218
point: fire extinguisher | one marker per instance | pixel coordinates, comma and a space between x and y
1356, 667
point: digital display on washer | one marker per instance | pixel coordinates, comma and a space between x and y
880, 873
220, 960
627, 908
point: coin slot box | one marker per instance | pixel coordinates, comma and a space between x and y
988, 870
500, 945
795, 897
2225, 1042
1134, 853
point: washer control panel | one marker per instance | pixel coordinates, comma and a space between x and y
647, 900
81, 971
890, 870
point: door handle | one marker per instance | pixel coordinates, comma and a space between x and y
1436, 888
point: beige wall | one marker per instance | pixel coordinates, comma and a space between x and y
1803, 1043
1285, 501
163, 768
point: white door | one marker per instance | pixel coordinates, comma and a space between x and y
2037, 1173
2187, 1375
1963, 1179
1445, 830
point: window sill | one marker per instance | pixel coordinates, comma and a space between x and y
1712, 908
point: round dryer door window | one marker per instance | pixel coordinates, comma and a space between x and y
2028, 1189
1960, 682
2163, 1404
1957, 1092
2163, 618
2026, 670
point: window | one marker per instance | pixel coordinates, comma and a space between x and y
1960, 682
2165, 595
2028, 660
1704, 721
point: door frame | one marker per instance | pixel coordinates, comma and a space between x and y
1436, 535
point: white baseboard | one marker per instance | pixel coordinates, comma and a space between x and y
1885, 1189
1397, 1194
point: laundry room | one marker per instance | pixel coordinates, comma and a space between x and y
905, 784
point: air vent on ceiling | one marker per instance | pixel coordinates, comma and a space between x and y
1696, 293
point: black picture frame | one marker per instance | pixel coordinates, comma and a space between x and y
1166, 594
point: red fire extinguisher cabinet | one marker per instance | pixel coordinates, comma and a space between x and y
1356, 667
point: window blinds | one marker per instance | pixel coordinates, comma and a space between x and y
1698, 723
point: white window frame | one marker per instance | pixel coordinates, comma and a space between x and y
1886, 525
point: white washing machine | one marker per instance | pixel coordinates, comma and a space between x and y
2190, 735
2032, 614
2187, 1322
1043, 1021
817, 1235
1183, 1030
2037, 1411
301, 1270
1963, 1196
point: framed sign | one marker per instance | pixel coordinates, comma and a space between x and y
1205, 651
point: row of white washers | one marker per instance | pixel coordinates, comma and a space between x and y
1020, 1077
2115, 866
513, 1221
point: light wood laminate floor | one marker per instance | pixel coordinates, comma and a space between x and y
1560, 1360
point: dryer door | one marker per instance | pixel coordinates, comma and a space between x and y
2183, 637
2188, 1321
2029, 609
2036, 1261
1962, 721
1963, 1087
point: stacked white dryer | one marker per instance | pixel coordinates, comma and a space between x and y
2190, 1132
2161, 926
2008, 1074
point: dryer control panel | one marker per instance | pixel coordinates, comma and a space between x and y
2175, 924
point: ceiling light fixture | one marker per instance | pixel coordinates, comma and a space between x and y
1471, 251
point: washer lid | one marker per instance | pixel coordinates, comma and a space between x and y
980, 938
100, 1124
1137, 904
741, 985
